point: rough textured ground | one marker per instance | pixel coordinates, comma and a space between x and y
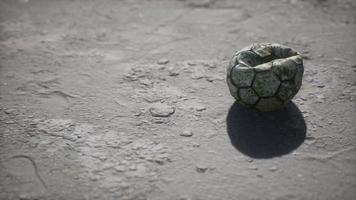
128, 100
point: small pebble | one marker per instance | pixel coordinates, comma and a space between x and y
161, 110
201, 169
10, 111
120, 168
145, 82
273, 169
186, 133
133, 168
200, 108
191, 63
163, 61
173, 73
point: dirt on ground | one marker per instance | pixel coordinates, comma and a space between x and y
127, 99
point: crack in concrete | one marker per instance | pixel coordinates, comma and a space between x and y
34, 165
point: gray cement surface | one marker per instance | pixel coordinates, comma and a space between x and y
128, 100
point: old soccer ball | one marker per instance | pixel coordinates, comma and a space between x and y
265, 76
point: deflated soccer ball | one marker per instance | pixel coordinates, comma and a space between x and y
265, 76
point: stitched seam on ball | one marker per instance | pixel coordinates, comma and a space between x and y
232, 81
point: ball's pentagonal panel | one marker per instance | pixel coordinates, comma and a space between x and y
285, 69
242, 76
266, 84
248, 96
286, 90
268, 104
265, 76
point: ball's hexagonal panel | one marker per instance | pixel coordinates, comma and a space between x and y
266, 84
248, 96
249, 58
242, 76
285, 69
268, 104
286, 91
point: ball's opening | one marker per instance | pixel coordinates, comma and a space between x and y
258, 55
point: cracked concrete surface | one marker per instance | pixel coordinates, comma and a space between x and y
79, 80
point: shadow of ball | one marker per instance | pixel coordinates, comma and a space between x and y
266, 135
